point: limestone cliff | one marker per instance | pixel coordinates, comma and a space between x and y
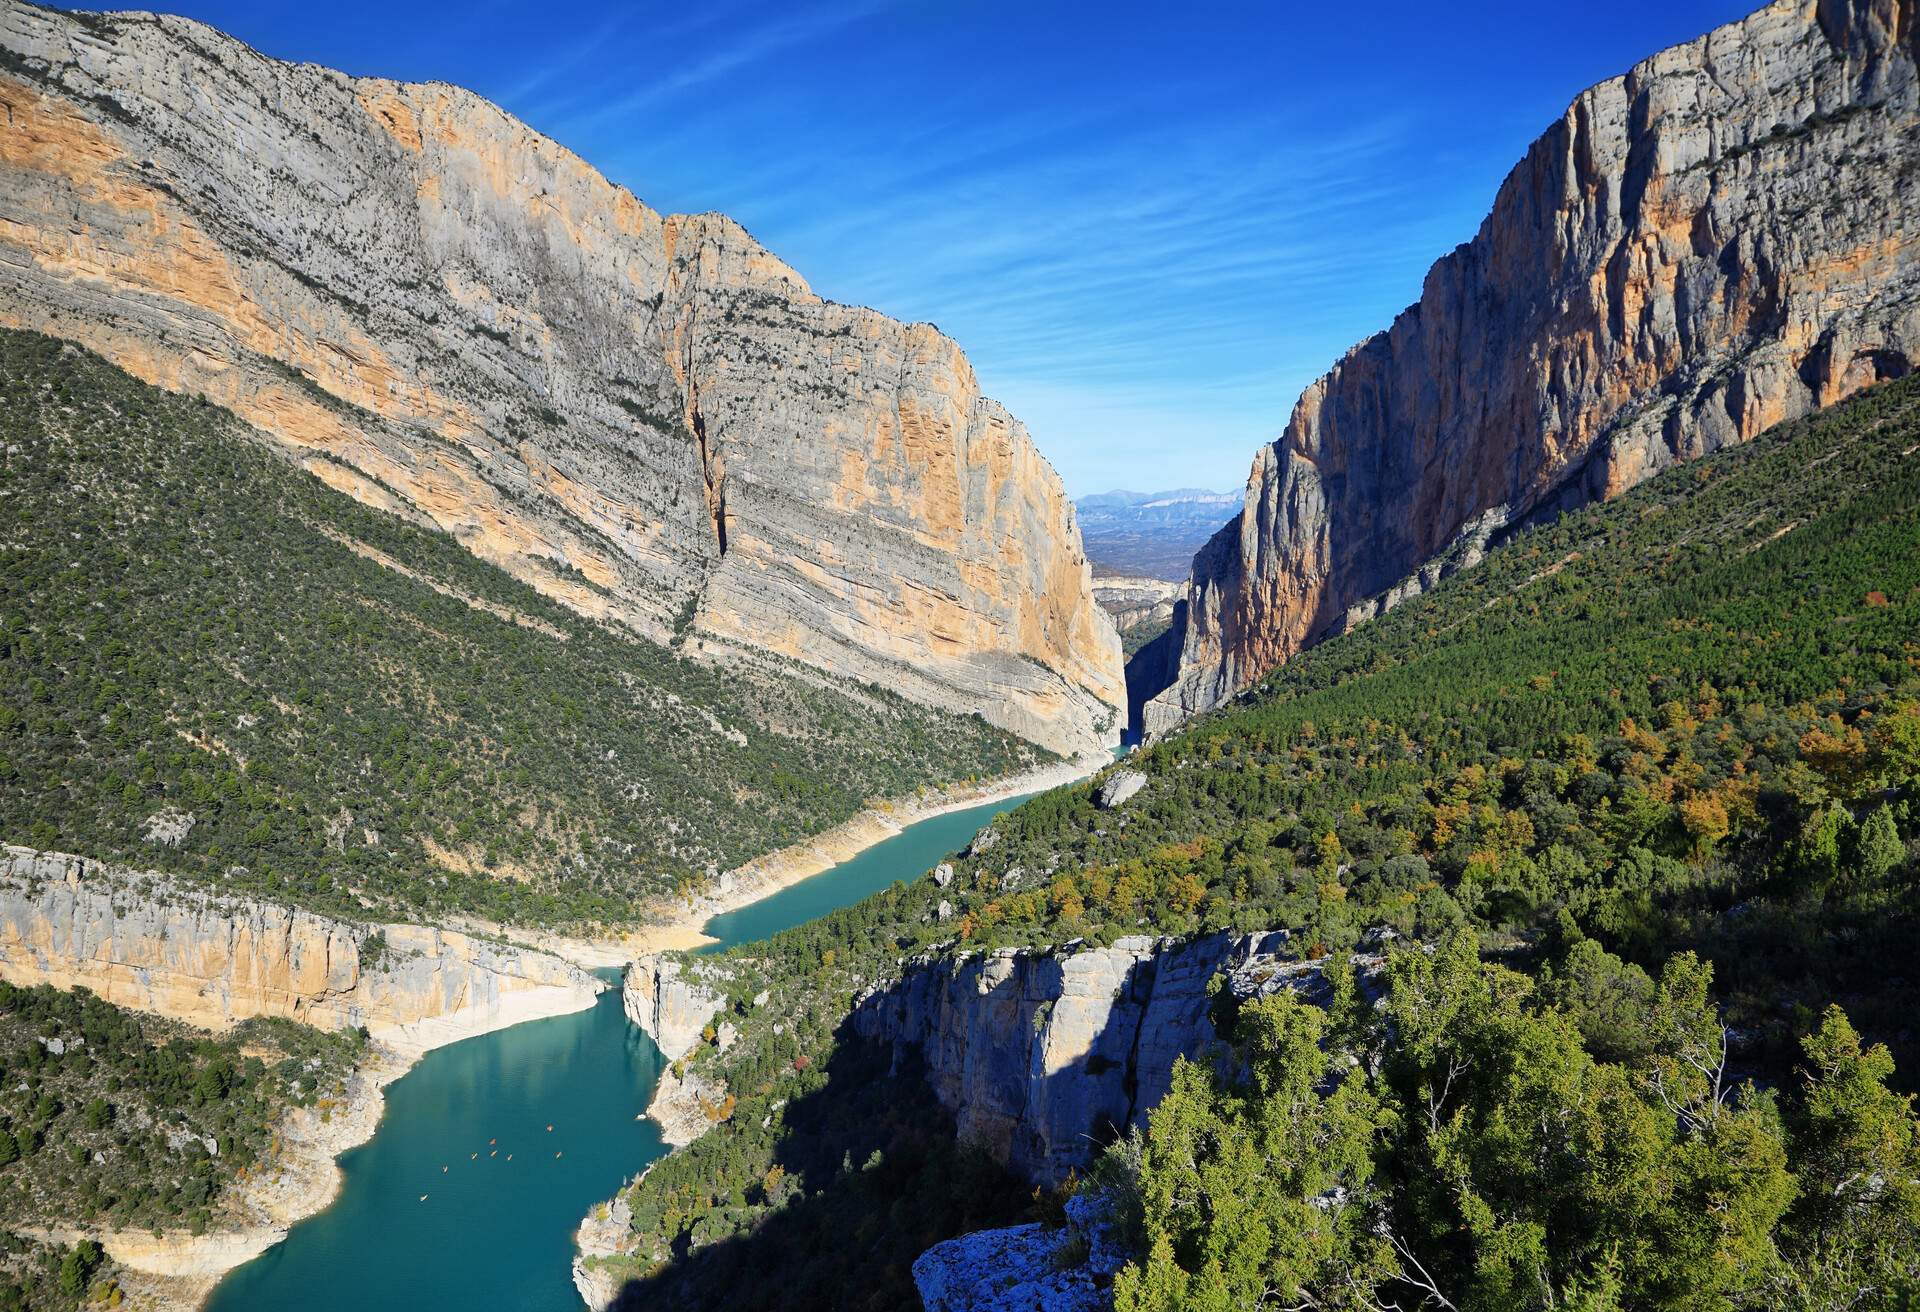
671, 999
140, 940
1135, 602
1039, 1055
1042, 1055
1713, 243
447, 315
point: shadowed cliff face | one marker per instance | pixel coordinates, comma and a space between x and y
439, 311
1707, 246
1042, 1057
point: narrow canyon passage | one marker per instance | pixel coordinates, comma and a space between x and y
495, 1226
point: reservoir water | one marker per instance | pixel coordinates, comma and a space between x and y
495, 1230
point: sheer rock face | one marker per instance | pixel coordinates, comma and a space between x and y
671, 1000
445, 314
143, 941
1709, 245
1041, 1055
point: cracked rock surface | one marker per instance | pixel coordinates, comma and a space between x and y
1041, 1054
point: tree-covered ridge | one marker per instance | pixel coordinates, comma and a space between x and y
1463, 1146
1688, 720
211, 662
118, 1120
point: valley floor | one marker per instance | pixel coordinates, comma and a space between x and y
177, 1271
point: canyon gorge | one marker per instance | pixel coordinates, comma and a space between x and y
646, 611
1713, 242
649, 418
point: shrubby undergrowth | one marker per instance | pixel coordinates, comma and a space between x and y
1686, 722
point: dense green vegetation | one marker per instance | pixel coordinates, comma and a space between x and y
38, 1276
1465, 1146
210, 662
1686, 721
120, 1120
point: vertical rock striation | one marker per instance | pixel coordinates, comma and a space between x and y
671, 999
1042, 1055
648, 417
1709, 245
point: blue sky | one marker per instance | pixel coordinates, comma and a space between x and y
1150, 225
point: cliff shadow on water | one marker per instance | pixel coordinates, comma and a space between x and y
875, 1175
965, 1096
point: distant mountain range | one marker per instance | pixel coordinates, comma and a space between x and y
1153, 534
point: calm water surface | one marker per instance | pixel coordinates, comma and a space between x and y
495, 1230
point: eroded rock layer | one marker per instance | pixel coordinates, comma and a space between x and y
1713, 243
140, 940
671, 1000
445, 314
1042, 1056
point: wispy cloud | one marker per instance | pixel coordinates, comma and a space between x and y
564, 63
762, 38
1148, 232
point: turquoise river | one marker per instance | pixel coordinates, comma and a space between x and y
495, 1230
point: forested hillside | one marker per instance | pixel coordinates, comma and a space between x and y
1648, 770
211, 662
118, 1120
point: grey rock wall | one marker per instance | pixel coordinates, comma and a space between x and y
1041, 1055
671, 1000
1719, 240
445, 314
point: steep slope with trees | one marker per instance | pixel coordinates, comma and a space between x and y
1683, 722
211, 662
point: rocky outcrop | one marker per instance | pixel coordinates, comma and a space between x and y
601, 1234
444, 314
1118, 788
1135, 602
1042, 1055
685, 1105
1068, 1268
1717, 241
144, 941
1028, 1267
672, 999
